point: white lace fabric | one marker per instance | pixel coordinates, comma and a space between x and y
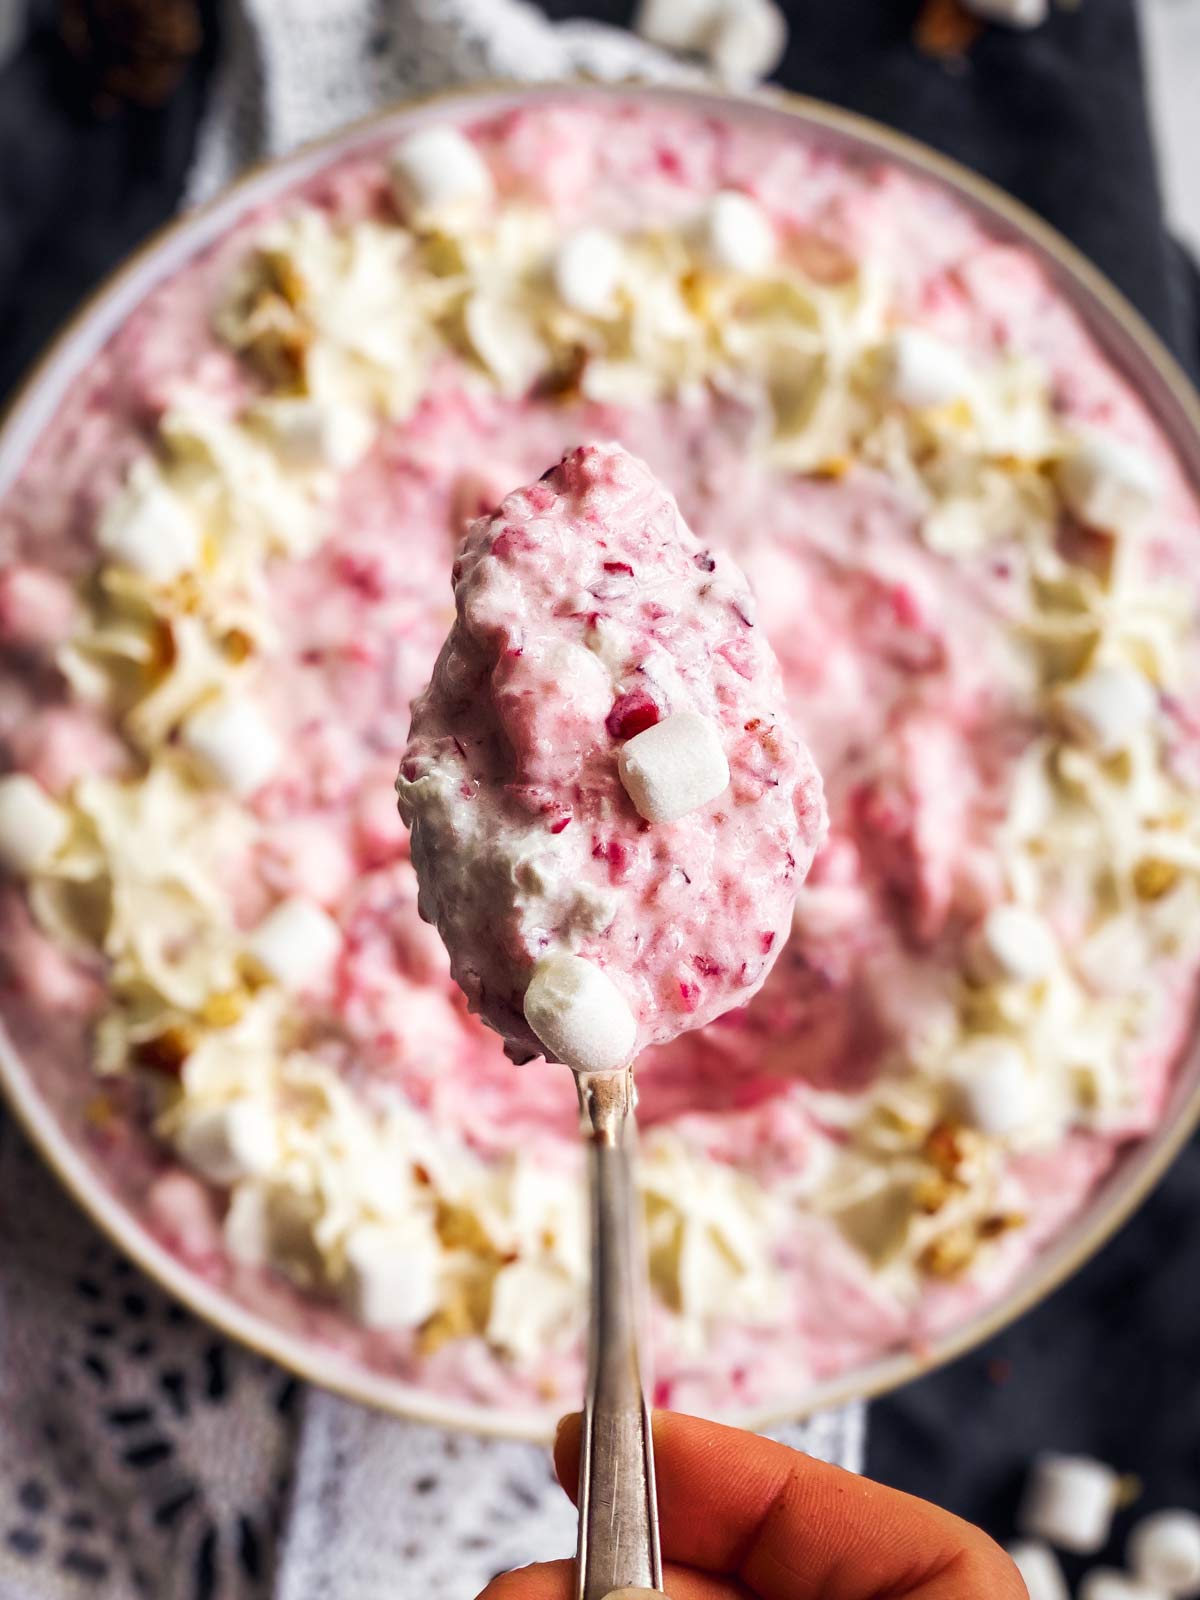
141, 1453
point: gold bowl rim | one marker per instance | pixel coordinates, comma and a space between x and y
1127, 341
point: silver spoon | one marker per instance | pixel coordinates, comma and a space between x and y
618, 1504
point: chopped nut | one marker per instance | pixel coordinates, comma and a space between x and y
460, 1229
950, 1253
222, 1010
464, 1312
1000, 1223
931, 1194
167, 1051
1153, 878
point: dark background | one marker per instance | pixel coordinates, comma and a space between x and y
1109, 1364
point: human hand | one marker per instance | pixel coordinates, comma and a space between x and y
743, 1516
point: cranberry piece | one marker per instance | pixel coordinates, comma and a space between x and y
705, 562
557, 827
632, 713
618, 566
768, 943
706, 966
689, 993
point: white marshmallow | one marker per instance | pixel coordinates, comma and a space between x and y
1014, 945
297, 943
1069, 1502
1106, 1583
921, 370
587, 270
1164, 1552
736, 234
1108, 707
32, 826
580, 1015
391, 1276
677, 24
148, 528
235, 742
310, 435
438, 173
228, 1142
1013, 13
995, 1086
1039, 1567
674, 767
1108, 483
746, 41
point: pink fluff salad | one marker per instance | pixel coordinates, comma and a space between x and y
888, 667
519, 734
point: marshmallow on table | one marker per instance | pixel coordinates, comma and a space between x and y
580, 1015
310, 434
227, 1142
1164, 1552
735, 233
296, 943
233, 739
920, 370
1106, 482
995, 1086
587, 271
1106, 1583
1014, 945
1108, 707
147, 528
1069, 1501
674, 767
391, 1278
437, 173
746, 41
676, 24
33, 827
1013, 13
1040, 1568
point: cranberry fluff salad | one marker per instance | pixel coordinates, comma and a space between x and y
226, 578
610, 814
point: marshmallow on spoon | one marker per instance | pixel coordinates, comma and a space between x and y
33, 827
1041, 1571
437, 174
674, 767
1069, 1501
746, 41
1164, 1553
580, 1015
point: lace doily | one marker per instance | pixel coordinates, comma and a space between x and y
140, 1453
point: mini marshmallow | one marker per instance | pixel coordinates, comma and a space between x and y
920, 370
235, 742
1069, 1502
580, 1015
1164, 1553
674, 767
149, 529
994, 1085
1039, 1567
391, 1278
746, 41
227, 1142
437, 173
587, 270
1108, 707
296, 943
310, 435
677, 24
1106, 1583
1012, 13
33, 827
736, 234
1108, 483
1013, 945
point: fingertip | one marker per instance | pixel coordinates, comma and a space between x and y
566, 1451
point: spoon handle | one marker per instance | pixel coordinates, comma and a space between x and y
618, 1507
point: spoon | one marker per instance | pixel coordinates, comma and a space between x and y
618, 1504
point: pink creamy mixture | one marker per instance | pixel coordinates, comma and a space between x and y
587, 613
887, 653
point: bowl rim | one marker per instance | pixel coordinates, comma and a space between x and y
1144, 361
